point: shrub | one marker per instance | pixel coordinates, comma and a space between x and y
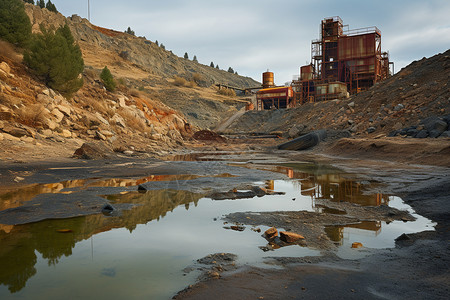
186, 56
179, 81
195, 59
197, 78
56, 59
108, 79
129, 31
41, 3
230, 70
211, 65
32, 115
227, 92
29, 1
15, 26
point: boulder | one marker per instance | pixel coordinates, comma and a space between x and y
66, 133
422, 134
271, 233
290, 237
64, 109
296, 130
5, 67
101, 119
58, 115
305, 141
445, 134
90, 151
371, 129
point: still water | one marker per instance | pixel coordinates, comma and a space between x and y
141, 254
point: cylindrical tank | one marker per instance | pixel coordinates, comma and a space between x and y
267, 80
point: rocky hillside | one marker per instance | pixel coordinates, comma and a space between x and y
416, 99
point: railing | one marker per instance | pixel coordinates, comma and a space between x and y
364, 30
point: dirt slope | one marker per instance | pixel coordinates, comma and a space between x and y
415, 93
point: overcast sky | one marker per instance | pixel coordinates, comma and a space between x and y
252, 36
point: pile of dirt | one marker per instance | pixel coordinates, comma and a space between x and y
207, 135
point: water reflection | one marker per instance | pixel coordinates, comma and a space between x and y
336, 233
320, 183
19, 244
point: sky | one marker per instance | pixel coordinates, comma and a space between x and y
253, 36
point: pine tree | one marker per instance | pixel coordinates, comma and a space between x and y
186, 56
15, 26
50, 6
195, 59
162, 46
41, 3
29, 1
217, 66
108, 79
230, 70
129, 31
156, 42
211, 65
56, 59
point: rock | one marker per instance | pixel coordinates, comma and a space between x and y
399, 107
6, 115
50, 124
58, 115
44, 99
403, 237
296, 130
351, 104
118, 120
412, 132
434, 133
290, 237
422, 134
434, 122
90, 151
445, 134
16, 132
5, 68
271, 233
122, 102
100, 136
350, 122
64, 109
357, 245
101, 119
66, 133
9, 137
107, 133
1, 137
19, 179
128, 152
107, 209
305, 141
142, 189
371, 129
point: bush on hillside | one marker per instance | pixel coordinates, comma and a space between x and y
56, 59
15, 26
41, 3
108, 79
227, 92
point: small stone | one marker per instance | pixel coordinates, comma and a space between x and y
290, 237
19, 179
371, 129
271, 233
357, 245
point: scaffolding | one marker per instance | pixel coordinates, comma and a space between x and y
343, 62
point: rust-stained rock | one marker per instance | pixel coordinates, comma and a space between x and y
290, 237
271, 233
357, 245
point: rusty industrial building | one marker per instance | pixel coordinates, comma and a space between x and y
344, 62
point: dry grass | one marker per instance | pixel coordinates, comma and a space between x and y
227, 92
135, 93
33, 115
8, 50
98, 105
133, 121
180, 81
197, 78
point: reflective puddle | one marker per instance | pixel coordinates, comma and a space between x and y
141, 253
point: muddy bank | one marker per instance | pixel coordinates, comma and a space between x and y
418, 266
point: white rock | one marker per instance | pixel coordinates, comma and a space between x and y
5, 67
66, 133
64, 109
118, 120
122, 102
106, 133
58, 115
101, 119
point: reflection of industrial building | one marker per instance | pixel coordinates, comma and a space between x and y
336, 233
331, 187
343, 62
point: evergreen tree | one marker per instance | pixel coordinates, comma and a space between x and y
230, 70
50, 6
129, 31
41, 3
29, 1
15, 26
108, 79
162, 46
186, 56
211, 65
56, 59
156, 42
217, 66
195, 59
